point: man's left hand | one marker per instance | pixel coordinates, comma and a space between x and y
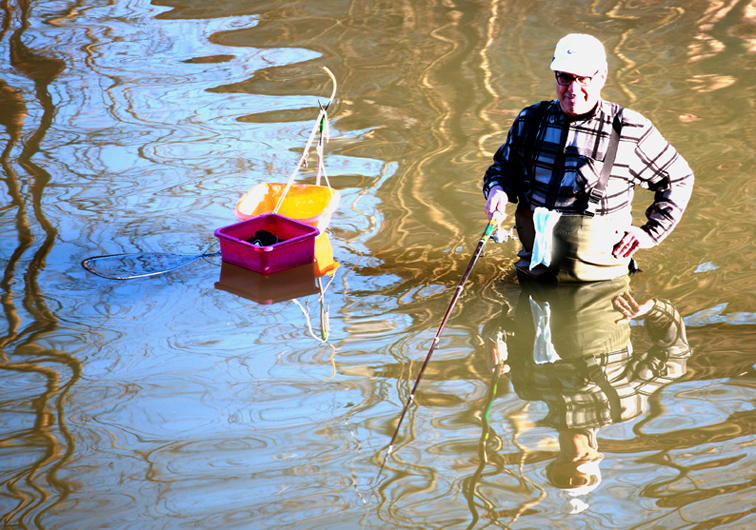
634, 239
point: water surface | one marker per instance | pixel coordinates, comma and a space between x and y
177, 401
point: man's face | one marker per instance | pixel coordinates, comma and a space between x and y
578, 95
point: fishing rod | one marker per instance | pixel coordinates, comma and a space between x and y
492, 223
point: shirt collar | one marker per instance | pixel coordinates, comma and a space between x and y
602, 110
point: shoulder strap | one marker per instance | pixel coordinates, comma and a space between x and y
531, 136
538, 115
596, 193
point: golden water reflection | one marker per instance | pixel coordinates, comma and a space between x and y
36, 443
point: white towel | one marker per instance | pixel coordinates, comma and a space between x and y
544, 221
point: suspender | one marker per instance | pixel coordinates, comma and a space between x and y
532, 136
596, 193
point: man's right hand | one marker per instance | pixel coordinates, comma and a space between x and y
496, 203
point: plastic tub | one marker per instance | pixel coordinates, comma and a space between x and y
296, 245
312, 205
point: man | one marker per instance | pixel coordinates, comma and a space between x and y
551, 166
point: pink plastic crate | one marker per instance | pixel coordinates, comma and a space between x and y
296, 244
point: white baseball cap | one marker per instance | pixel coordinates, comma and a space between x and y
579, 54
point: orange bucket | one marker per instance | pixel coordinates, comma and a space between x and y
324, 263
309, 204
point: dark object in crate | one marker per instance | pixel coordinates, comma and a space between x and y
263, 238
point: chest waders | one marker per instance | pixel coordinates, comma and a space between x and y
582, 243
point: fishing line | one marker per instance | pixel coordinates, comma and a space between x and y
141, 265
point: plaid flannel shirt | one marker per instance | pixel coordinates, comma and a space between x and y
566, 157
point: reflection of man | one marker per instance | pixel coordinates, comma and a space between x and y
569, 346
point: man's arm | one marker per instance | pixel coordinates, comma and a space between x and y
501, 183
497, 178
659, 168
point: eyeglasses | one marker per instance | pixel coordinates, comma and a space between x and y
567, 79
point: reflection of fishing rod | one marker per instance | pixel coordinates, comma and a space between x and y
483, 443
486, 235
482, 452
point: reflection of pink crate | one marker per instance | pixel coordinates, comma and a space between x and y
296, 244
268, 288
